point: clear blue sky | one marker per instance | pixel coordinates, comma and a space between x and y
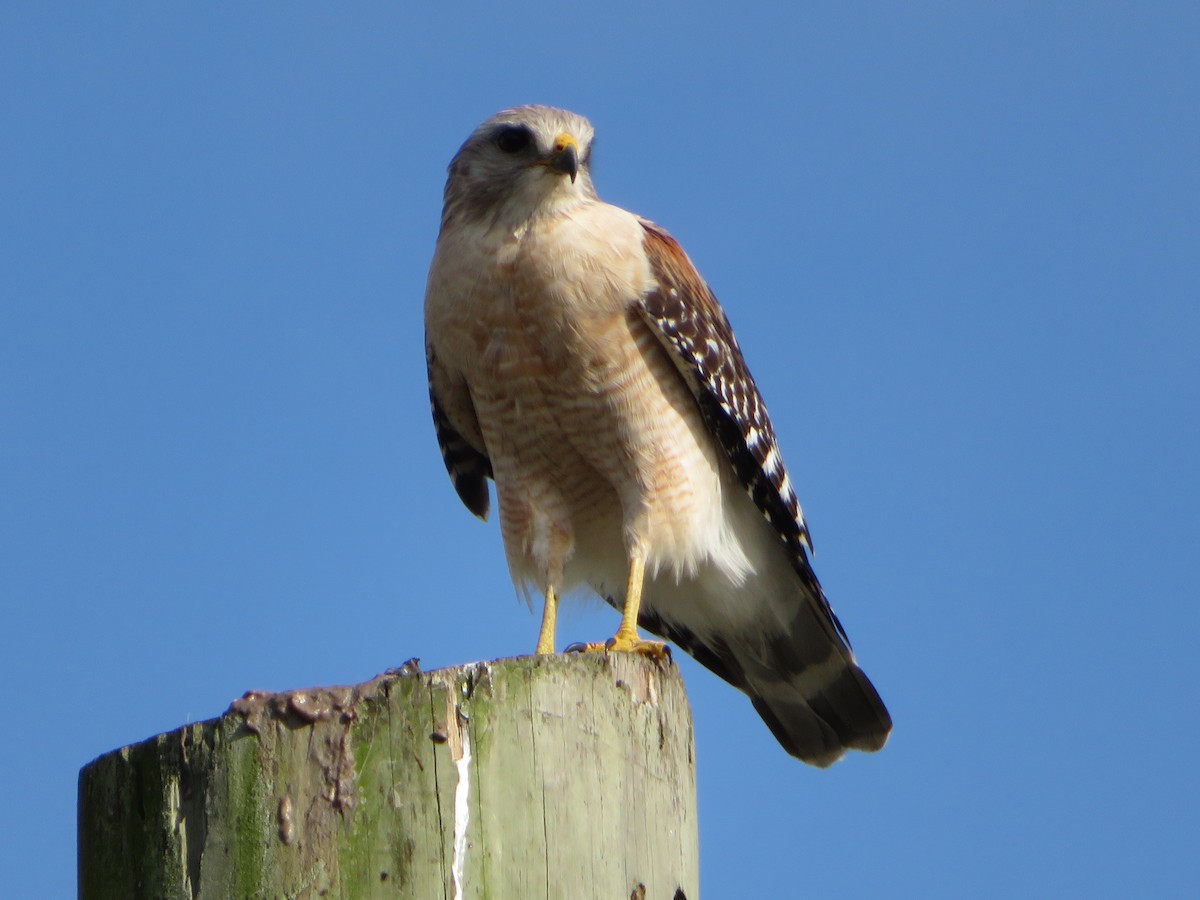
959, 244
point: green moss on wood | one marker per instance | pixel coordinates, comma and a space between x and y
581, 784
249, 818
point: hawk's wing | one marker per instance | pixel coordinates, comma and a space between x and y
466, 460
803, 680
689, 322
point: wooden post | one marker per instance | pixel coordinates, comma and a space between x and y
536, 777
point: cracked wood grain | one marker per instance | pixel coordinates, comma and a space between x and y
531, 777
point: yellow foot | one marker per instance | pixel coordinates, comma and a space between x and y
620, 643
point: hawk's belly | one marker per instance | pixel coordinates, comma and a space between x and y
597, 447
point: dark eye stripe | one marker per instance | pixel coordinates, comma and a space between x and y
513, 138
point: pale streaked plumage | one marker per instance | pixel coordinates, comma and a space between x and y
578, 359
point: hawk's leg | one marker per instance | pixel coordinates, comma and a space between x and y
626, 639
545, 645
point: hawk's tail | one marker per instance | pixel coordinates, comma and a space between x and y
819, 722
803, 681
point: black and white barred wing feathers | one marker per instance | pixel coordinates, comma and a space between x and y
689, 321
802, 679
465, 458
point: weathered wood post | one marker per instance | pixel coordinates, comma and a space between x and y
535, 777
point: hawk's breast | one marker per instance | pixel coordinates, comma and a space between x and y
594, 438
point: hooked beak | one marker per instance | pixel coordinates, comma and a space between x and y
565, 156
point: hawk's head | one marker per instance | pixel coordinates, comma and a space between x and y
521, 162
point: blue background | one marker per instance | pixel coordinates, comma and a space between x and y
958, 243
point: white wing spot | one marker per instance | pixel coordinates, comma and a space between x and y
771, 462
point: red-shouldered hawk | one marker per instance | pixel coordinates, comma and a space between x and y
578, 359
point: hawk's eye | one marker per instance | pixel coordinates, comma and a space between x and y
514, 138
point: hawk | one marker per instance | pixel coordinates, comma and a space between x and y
578, 360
